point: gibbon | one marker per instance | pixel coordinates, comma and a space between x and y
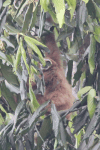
57, 88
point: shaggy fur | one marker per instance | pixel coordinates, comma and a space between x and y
57, 88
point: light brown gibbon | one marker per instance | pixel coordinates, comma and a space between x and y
57, 88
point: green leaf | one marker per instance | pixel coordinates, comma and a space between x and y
91, 56
74, 48
69, 73
37, 113
8, 74
45, 132
97, 33
21, 7
72, 6
9, 116
46, 7
27, 18
5, 92
31, 42
1, 120
24, 55
9, 59
55, 144
60, 11
1, 107
78, 137
97, 1
86, 1
93, 123
55, 120
77, 75
53, 15
11, 29
83, 91
90, 7
89, 22
18, 57
91, 102
64, 135
97, 9
17, 112
65, 33
56, 37
33, 98
34, 15
81, 17
13, 88
6, 3
68, 42
83, 77
9, 44
44, 4
3, 56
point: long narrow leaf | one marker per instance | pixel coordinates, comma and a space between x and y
30, 42
18, 57
24, 55
91, 59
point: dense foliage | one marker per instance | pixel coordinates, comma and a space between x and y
23, 124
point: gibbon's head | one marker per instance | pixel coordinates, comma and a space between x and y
47, 66
50, 64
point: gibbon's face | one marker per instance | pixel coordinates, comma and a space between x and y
47, 66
